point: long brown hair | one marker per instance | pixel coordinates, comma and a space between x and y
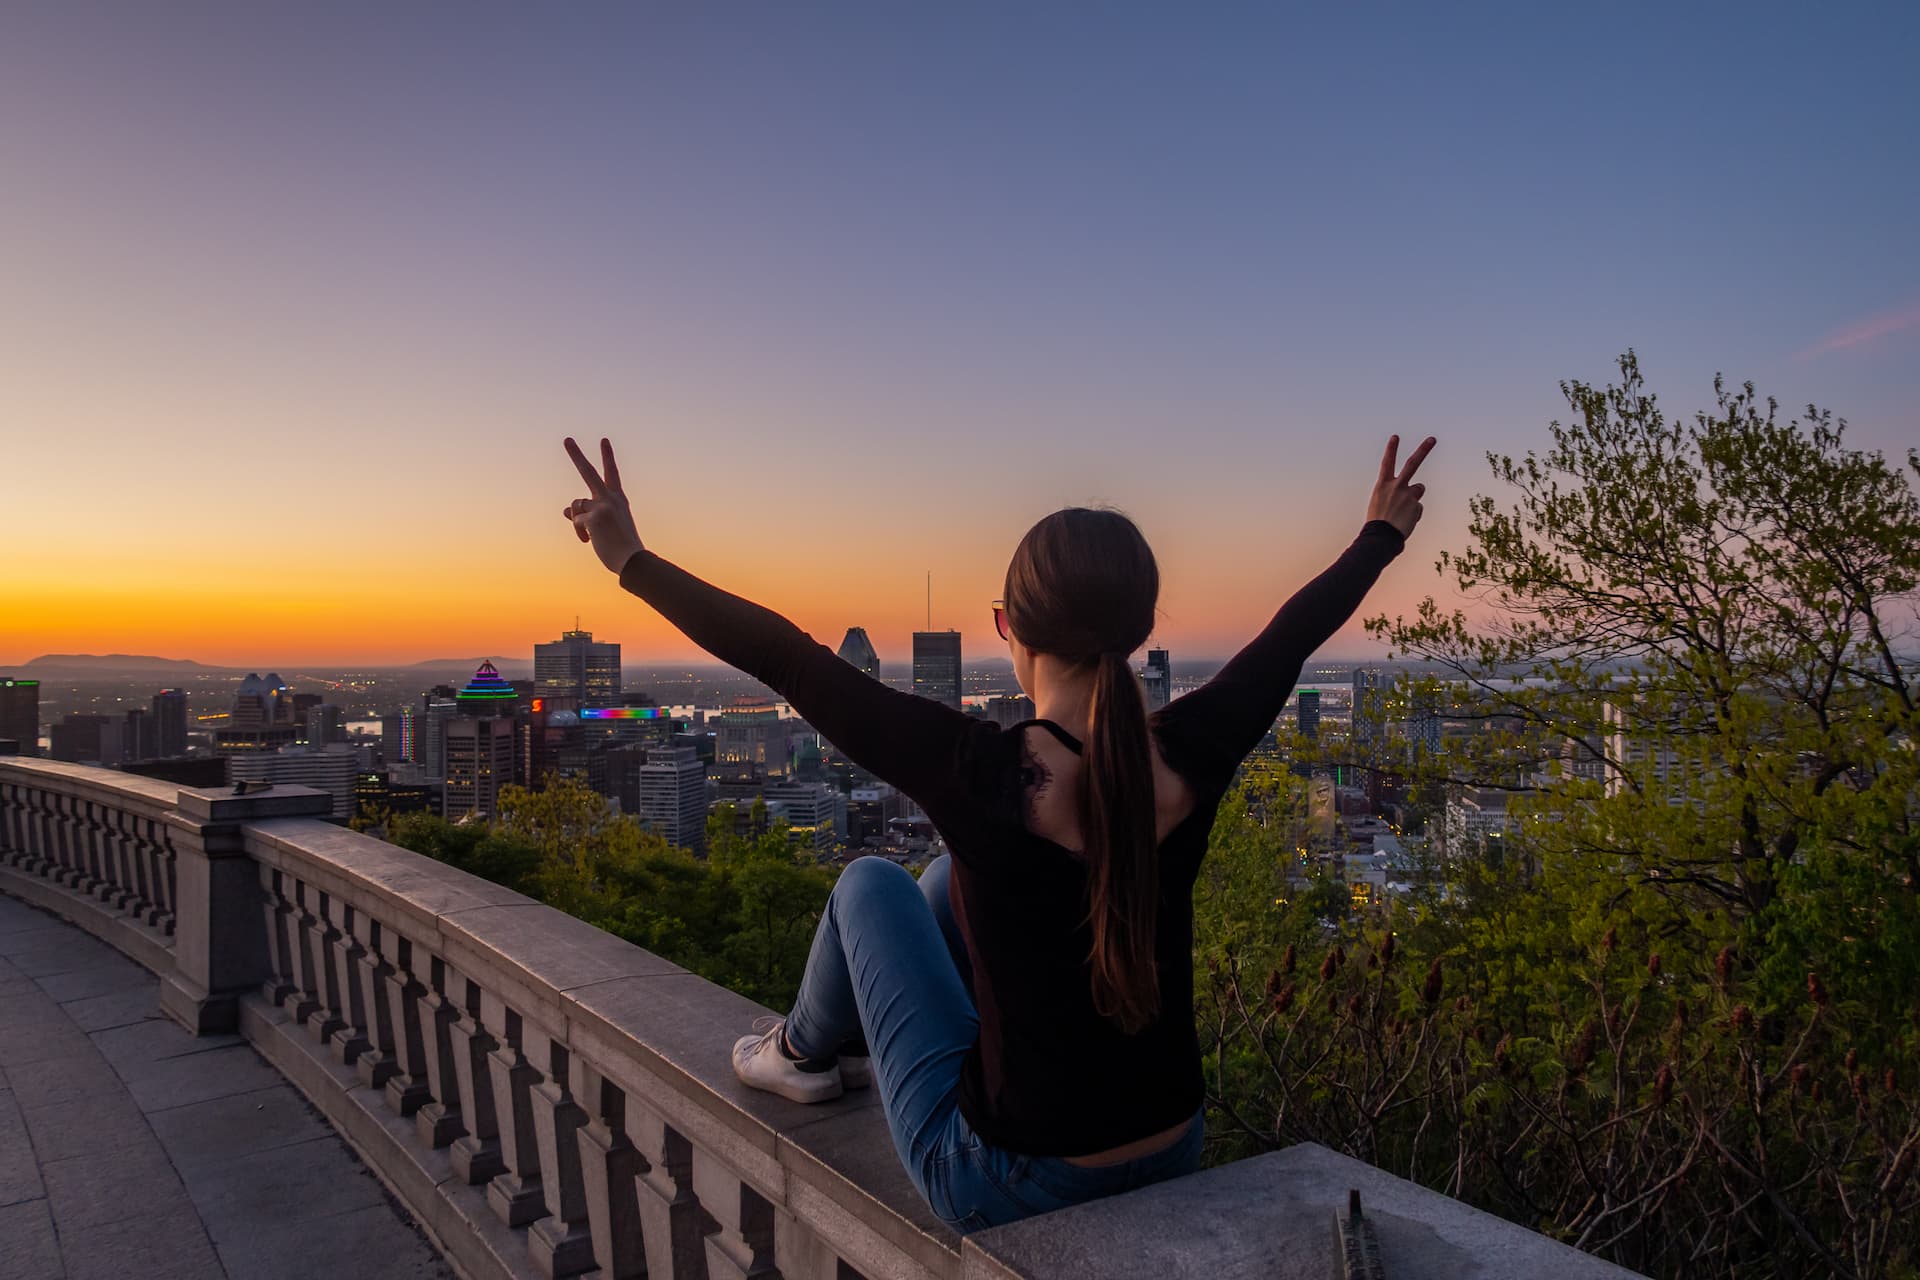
1082, 586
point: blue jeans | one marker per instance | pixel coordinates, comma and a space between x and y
888, 960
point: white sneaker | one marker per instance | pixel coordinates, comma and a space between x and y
760, 1064
856, 1073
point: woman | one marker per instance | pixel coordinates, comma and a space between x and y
1028, 1005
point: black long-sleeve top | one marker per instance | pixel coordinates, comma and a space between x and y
1049, 1076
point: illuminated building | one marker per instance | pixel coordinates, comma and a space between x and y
936, 666
673, 796
20, 713
479, 763
400, 736
1158, 678
261, 720
858, 651
577, 670
170, 723
811, 809
487, 694
751, 741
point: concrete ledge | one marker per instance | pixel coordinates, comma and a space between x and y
147, 947
1272, 1218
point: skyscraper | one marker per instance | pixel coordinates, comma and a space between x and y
858, 650
331, 769
578, 670
673, 796
20, 713
479, 762
139, 740
170, 723
326, 723
437, 707
936, 666
1307, 711
1158, 679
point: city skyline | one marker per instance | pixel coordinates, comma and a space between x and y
311, 352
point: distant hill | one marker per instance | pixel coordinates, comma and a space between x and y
115, 662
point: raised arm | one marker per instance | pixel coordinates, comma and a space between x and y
910, 741
1213, 728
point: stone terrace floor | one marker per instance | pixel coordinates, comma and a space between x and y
130, 1148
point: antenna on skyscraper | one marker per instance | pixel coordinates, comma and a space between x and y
929, 599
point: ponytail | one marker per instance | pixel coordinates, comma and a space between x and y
1117, 826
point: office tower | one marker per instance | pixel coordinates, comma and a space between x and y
399, 736
84, 738
332, 769
936, 666
20, 713
751, 741
1158, 679
138, 739
378, 794
479, 763
437, 706
857, 650
1307, 712
636, 722
810, 811
325, 723
673, 796
170, 723
577, 670
1370, 686
261, 719
487, 694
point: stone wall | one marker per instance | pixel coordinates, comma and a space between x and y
550, 1100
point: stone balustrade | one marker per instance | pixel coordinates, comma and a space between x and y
550, 1100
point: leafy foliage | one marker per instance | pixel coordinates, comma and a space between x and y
743, 916
1677, 1023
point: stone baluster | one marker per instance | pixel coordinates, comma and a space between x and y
672, 1223
561, 1244
116, 871
438, 1121
377, 1063
476, 1156
139, 863
30, 832
14, 800
165, 881
610, 1167
800, 1253
330, 1015
279, 982
88, 831
306, 969
407, 1088
62, 847
742, 1247
350, 1039
515, 1191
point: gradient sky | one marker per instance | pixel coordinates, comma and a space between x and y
297, 301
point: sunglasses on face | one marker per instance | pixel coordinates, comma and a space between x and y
1000, 619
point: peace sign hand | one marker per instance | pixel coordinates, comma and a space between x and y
1395, 499
603, 518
